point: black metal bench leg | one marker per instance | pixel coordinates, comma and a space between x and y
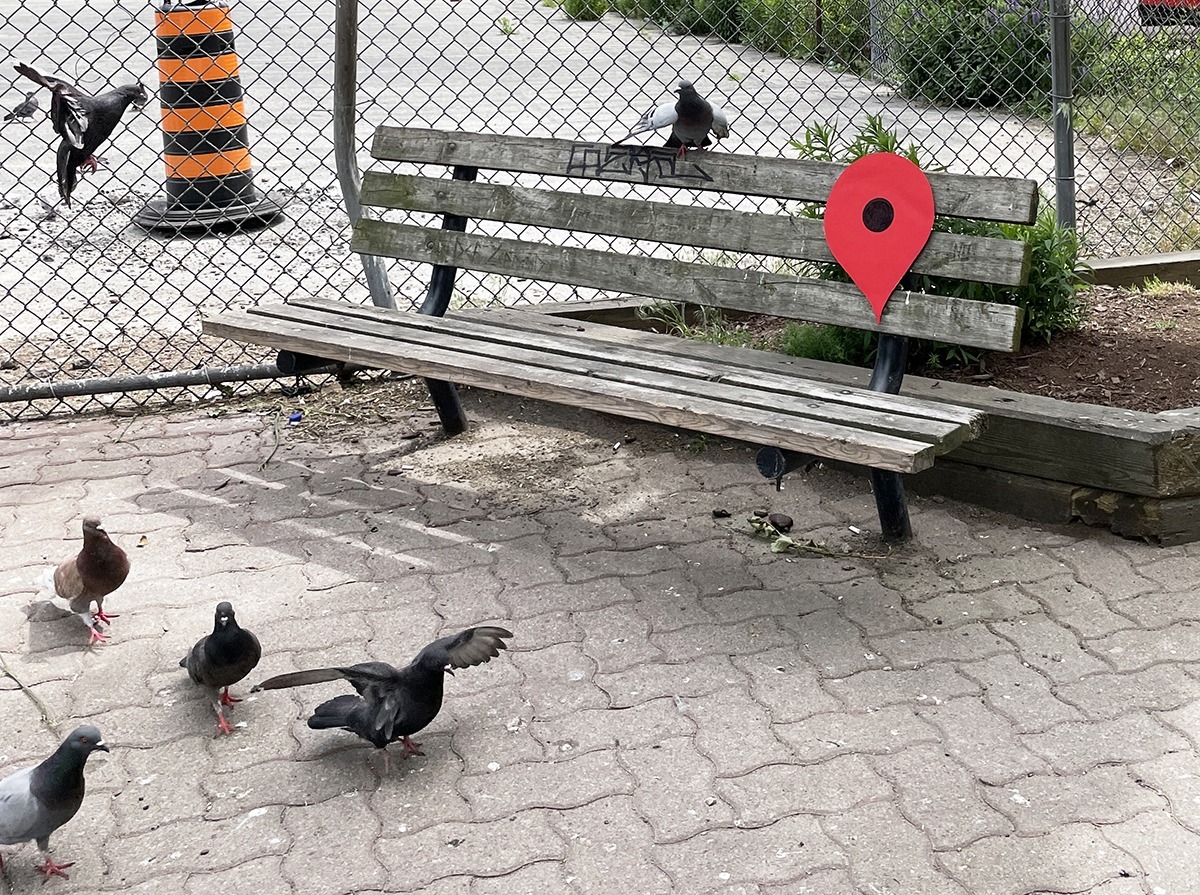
437, 300
892, 504
891, 357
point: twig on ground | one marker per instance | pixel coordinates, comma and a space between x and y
33, 697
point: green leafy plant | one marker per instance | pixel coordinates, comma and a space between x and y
1048, 299
507, 25
585, 10
698, 322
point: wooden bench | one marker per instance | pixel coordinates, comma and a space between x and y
652, 376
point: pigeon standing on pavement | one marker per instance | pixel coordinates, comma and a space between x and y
26, 109
34, 802
394, 703
83, 122
221, 659
99, 569
692, 119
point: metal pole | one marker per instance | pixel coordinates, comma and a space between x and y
345, 78
1062, 95
146, 382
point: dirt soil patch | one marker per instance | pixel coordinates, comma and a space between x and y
1137, 349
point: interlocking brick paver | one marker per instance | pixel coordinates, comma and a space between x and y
836, 733
982, 740
589, 729
676, 790
609, 848
350, 822
414, 860
1041, 802
561, 783
1071, 858
833, 787
886, 852
995, 708
964, 643
796, 846
1073, 747
788, 688
940, 797
1019, 693
935, 683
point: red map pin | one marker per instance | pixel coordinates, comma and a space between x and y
878, 217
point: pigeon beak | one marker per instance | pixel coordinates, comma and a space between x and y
449, 671
101, 745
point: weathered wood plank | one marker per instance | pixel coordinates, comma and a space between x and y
1002, 261
948, 319
1105, 447
685, 411
478, 345
956, 195
666, 354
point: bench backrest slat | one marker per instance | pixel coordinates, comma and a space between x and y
1001, 261
963, 322
964, 196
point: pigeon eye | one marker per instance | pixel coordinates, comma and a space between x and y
84, 740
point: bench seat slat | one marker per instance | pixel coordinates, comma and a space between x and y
480, 342
987, 260
562, 337
956, 195
699, 413
944, 318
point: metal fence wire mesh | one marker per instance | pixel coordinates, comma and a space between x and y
89, 294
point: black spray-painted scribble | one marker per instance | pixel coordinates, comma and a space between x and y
652, 164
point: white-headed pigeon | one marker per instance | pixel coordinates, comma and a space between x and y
83, 122
221, 659
394, 703
34, 802
692, 120
26, 109
99, 569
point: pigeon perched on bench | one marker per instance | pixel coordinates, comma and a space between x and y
99, 569
221, 659
34, 802
692, 119
394, 703
26, 109
84, 122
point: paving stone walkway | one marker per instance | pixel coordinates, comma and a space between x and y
999, 709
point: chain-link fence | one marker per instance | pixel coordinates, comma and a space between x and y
89, 295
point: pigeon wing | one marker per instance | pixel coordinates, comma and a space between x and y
20, 813
474, 646
653, 119
720, 123
71, 116
361, 676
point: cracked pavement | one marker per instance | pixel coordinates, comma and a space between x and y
997, 709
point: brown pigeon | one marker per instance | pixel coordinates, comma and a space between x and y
394, 703
221, 659
692, 119
99, 569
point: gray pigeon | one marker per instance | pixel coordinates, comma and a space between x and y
692, 119
34, 802
26, 109
221, 659
84, 122
394, 703
99, 569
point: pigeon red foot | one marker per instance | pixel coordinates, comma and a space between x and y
223, 728
95, 635
51, 869
101, 616
227, 699
411, 747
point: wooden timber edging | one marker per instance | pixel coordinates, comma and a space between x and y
1040, 458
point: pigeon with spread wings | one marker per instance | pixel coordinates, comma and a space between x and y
692, 119
394, 703
84, 122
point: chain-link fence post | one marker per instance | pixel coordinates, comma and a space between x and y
1062, 96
